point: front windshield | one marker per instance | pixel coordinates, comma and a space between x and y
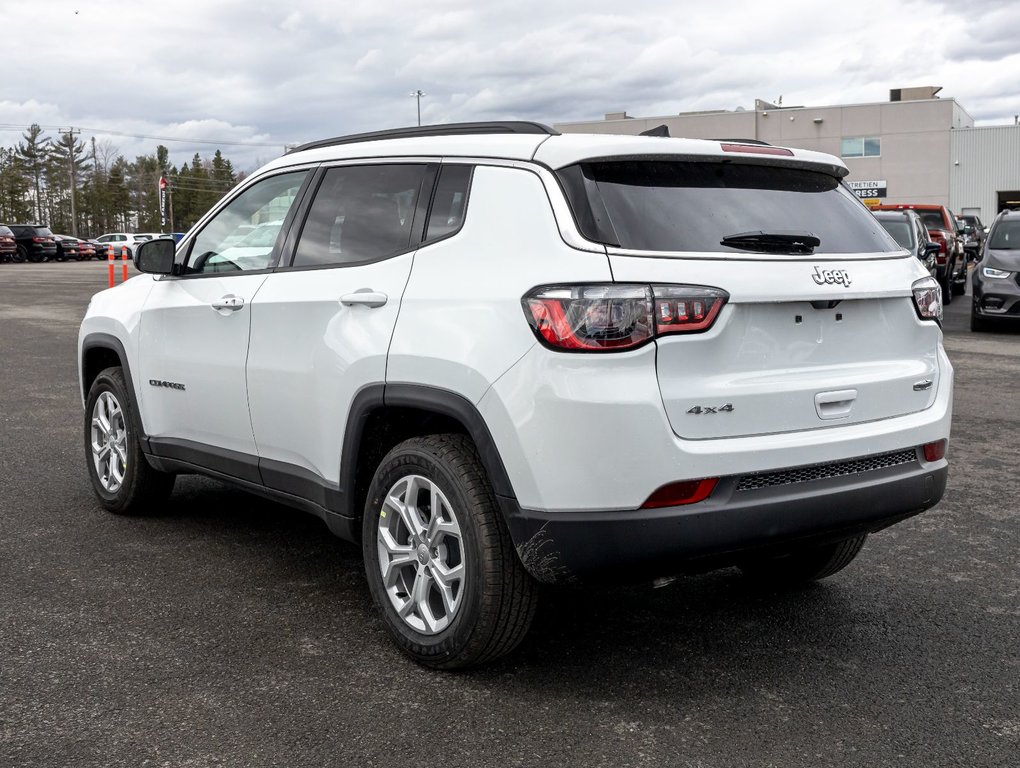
1006, 236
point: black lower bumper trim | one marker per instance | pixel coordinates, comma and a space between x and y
724, 529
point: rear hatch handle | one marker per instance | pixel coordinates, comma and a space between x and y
836, 404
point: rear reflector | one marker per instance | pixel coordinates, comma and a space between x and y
934, 451
678, 494
756, 149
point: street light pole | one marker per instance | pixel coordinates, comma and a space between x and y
418, 93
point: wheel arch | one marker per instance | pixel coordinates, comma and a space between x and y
103, 350
381, 416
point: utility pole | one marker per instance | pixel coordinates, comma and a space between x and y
71, 133
418, 93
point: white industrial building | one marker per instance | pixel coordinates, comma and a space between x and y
914, 148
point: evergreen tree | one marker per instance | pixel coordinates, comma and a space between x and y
33, 152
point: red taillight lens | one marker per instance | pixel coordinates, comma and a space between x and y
611, 317
40, 239
934, 451
756, 149
678, 494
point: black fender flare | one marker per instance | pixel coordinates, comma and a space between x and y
425, 398
112, 343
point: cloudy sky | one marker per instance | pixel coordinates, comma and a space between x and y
262, 75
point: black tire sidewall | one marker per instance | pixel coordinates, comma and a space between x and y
445, 644
112, 380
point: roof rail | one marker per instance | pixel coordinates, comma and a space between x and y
447, 129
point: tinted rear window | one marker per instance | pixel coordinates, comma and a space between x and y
900, 229
932, 219
691, 206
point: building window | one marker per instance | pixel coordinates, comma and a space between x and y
861, 146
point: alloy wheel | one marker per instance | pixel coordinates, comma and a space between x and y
421, 554
109, 442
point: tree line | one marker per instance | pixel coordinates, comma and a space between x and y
86, 188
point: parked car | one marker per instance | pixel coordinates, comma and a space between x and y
996, 279
8, 246
519, 357
943, 229
35, 242
99, 248
908, 230
975, 233
67, 248
119, 241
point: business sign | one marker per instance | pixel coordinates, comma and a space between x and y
868, 190
163, 184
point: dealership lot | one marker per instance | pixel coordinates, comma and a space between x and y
233, 631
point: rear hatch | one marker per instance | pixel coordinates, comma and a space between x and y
819, 328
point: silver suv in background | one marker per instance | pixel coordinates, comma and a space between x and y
996, 278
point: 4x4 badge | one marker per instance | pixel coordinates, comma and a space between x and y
831, 276
700, 409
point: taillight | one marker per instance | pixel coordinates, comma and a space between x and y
684, 492
756, 149
927, 299
40, 239
614, 316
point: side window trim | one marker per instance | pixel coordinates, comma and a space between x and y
464, 207
308, 194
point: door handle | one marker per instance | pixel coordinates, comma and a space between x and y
364, 297
230, 302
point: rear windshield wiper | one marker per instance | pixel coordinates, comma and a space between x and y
773, 242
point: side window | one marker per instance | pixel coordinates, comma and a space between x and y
360, 213
243, 236
449, 202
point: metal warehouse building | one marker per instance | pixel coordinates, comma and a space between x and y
914, 148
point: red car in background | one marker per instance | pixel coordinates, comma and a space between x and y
8, 246
951, 259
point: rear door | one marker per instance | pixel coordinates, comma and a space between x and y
811, 337
321, 326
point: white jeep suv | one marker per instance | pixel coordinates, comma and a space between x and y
495, 356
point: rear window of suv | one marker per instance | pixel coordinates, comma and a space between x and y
685, 206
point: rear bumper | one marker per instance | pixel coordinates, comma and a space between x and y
730, 525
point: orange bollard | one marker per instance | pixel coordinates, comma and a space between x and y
124, 262
109, 259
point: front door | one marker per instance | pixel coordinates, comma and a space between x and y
195, 327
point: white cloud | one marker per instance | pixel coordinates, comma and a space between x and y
240, 71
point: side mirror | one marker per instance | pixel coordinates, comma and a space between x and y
931, 249
155, 257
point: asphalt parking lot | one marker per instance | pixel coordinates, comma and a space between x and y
236, 632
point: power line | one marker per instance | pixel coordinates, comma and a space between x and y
11, 128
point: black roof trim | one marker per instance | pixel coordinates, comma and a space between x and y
447, 129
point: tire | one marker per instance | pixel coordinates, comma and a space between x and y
487, 611
21, 255
977, 324
946, 283
960, 282
139, 489
809, 564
